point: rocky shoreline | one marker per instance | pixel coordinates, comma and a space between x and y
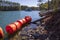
28, 33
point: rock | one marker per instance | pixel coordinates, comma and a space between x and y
52, 24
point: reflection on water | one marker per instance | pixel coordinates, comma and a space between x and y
7, 17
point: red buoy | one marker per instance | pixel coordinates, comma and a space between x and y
18, 25
11, 28
24, 20
1, 33
20, 21
28, 18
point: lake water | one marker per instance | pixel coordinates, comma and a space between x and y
7, 17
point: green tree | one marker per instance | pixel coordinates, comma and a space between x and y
23, 7
55, 4
44, 6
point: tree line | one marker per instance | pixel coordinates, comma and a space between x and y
25, 7
9, 8
12, 6
52, 4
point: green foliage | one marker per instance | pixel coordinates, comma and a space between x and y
23, 7
53, 4
44, 6
56, 4
4, 8
14, 6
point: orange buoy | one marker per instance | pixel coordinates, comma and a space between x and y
11, 28
28, 18
1, 33
24, 20
18, 25
20, 21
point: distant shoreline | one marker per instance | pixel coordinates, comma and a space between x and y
9, 6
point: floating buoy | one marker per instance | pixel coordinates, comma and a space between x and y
11, 28
1, 33
20, 21
18, 25
28, 18
24, 20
